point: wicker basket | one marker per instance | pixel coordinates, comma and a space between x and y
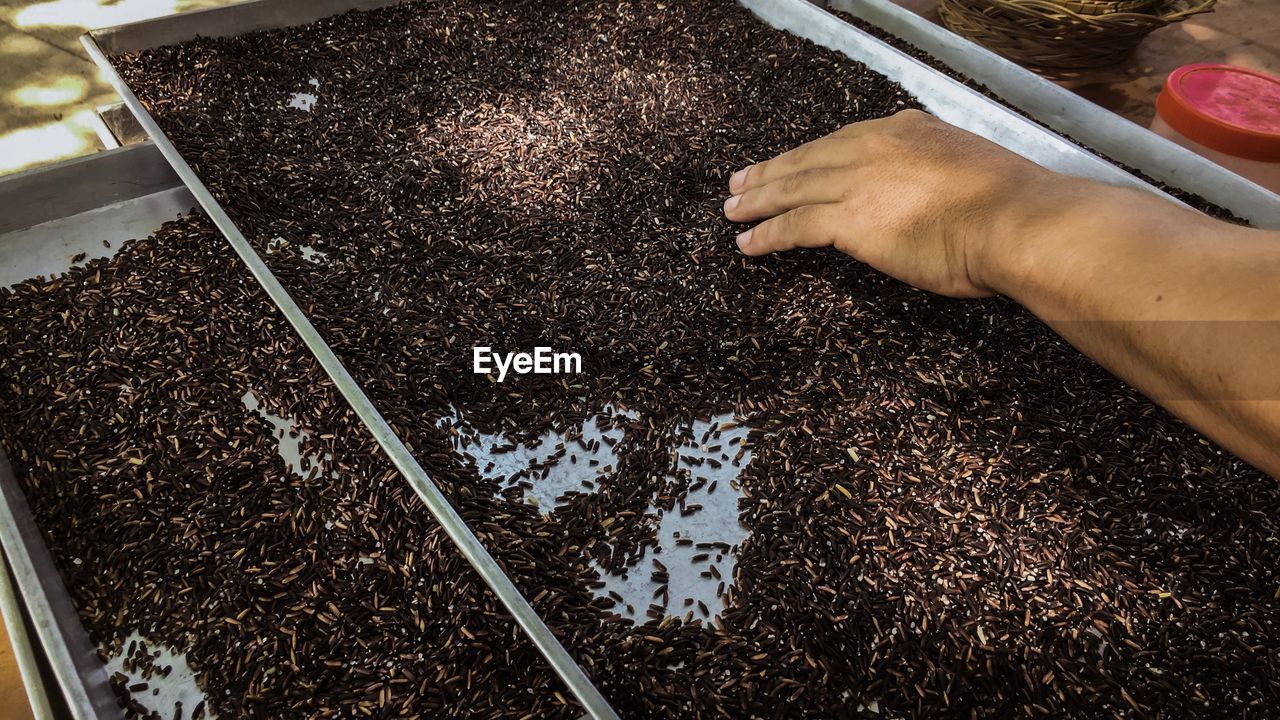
1108, 7
1064, 35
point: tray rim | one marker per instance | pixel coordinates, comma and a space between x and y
221, 21
80, 674
946, 97
70, 187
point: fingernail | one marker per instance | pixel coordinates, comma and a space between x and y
738, 178
732, 203
744, 239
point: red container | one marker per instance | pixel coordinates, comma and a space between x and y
1230, 115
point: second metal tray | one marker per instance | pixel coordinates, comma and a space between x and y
52, 215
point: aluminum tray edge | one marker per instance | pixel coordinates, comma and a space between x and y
80, 673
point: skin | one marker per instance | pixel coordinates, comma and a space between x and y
1183, 307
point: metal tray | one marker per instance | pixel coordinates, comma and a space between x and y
69, 208
116, 127
257, 15
51, 215
59, 212
947, 98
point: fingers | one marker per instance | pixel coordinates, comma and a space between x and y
824, 152
833, 150
808, 226
830, 151
806, 187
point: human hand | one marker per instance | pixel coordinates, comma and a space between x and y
926, 202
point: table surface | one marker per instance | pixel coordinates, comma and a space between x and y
13, 697
1237, 32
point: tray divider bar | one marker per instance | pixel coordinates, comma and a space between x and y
458, 531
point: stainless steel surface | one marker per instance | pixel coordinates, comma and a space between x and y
81, 674
222, 21
52, 214
116, 126
1074, 116
35, 251
944, 97
256, 16
105, 136
20, 642
68, 188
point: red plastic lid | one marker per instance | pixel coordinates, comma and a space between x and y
1229, 109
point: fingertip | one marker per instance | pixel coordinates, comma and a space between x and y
744, 240
731, 203
738, 180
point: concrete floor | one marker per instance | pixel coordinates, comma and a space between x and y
48, 87
48, 90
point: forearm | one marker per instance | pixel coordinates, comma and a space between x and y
1183, 307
